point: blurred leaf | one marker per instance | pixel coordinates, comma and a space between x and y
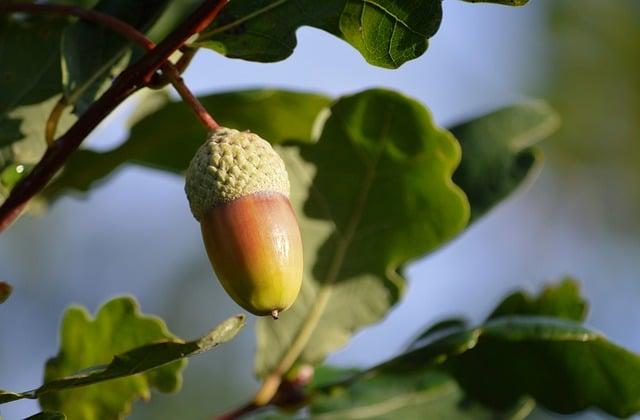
497, 152
386, 32
140, 343
87, 4
47, 415
132, 362
373, 193
562, 365
561, 301
92, 54
8, 396
410, 395
5, 291
168, 138
439, 329
30, 86
595, 58
174, 14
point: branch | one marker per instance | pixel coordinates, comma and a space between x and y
133, 78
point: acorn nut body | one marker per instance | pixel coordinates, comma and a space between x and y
238, 189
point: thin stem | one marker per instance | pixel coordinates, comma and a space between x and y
132, 79
52, 122
178, 83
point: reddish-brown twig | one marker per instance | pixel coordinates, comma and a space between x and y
132, 79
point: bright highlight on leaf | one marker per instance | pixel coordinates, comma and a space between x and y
386, 32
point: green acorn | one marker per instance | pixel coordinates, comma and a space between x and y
238, 189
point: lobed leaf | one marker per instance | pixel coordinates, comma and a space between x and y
560, 300
146, 356
558, 363
516, 355
561, 365
386, 32
373, 193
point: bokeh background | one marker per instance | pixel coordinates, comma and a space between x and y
135, 235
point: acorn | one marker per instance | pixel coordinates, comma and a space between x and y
238, 189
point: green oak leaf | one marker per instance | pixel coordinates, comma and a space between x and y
386, 32
93, 54
167, 138
371, 194
521, 354
558, 363
30, 86
498, 152
560, 300
135, 361
385, 394
133, 352
117, 328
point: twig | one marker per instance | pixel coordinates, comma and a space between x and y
201, 112
132, 79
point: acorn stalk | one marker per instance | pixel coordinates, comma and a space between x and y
238, 189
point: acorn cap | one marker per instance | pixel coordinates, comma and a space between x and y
232, 164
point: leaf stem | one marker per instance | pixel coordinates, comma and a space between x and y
51, 125
129, 81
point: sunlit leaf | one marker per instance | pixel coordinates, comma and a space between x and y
560, 300
30, 86
373, 193
132, 352
386, 32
